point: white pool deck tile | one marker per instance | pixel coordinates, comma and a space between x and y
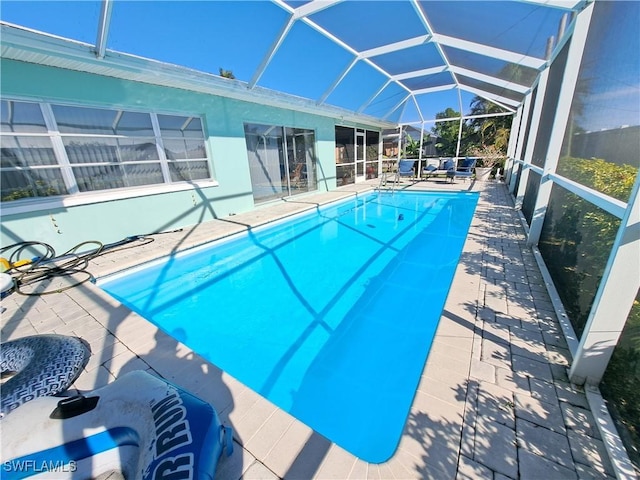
493, 400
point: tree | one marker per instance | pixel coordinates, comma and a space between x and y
488, 131
478, 134
601, 175
447, 132
226, 73
411, 147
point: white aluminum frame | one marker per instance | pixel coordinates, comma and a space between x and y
58, 148
303, 12
103, 28
621, 278
620, 282
560, 119
524, 125
513, 140
533, 135
613, 301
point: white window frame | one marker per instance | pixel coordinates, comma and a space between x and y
74, 197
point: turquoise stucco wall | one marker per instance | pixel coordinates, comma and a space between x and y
109, 221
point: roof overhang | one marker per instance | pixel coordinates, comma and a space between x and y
26, 45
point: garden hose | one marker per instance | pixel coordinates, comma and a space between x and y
46, 265
49, 266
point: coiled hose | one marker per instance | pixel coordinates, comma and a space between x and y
47, 265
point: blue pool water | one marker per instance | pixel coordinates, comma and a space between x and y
329, 315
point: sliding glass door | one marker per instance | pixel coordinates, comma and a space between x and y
301, 158
357, 155
282, 161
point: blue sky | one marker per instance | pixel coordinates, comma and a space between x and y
610, 70
236, 35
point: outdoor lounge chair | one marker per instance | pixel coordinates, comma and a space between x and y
447, 165
429, 171
464, 170
405, 169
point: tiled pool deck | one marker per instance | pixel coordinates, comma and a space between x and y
494, 400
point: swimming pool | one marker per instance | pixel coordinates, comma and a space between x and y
329, 315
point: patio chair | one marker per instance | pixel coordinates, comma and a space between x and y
405, 169
429, 171
443, 168
297, 176
464, 170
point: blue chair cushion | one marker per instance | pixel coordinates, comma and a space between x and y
468, 163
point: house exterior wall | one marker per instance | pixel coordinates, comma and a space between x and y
111, 220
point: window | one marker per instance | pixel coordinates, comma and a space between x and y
81, 149
184, 147
27, 161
